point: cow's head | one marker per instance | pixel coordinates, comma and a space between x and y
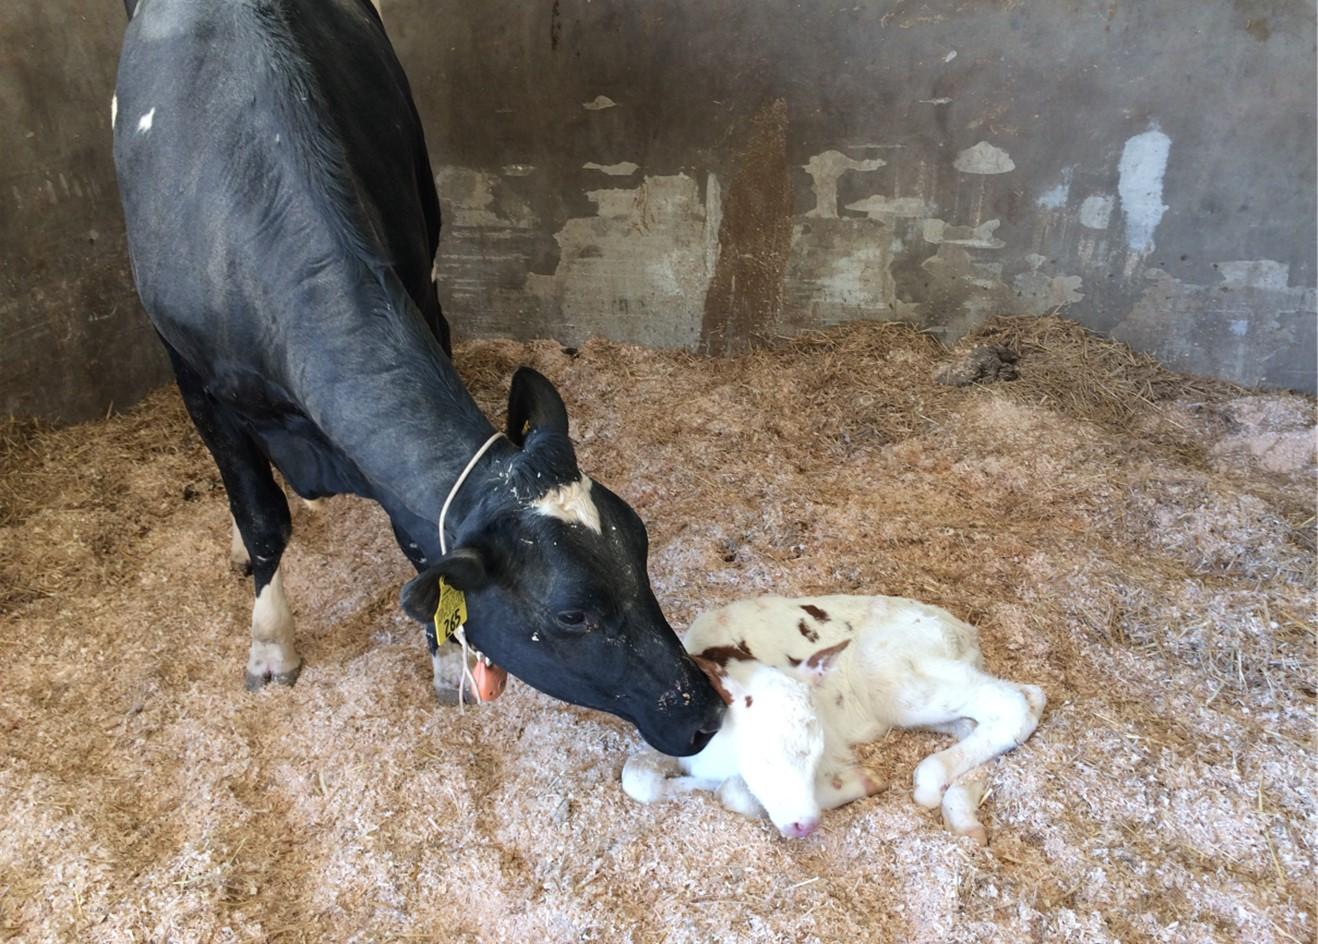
554, 570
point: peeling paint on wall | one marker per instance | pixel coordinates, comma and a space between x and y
1143, 164
621, 169
1096, 211
599, 103
637, 268
880, 208
1056, 197
972, 237
824, 170
984, 158
467, 197
1040, 293
1180, 322
1256, 273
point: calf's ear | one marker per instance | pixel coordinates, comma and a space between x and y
718, 678
533, 403
821, 661
463, 568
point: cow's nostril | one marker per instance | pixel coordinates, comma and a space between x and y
713, 721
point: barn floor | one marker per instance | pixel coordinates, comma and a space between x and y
1139, 544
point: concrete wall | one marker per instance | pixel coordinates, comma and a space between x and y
73, 339
699, 174
696, 174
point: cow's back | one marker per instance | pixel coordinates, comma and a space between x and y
270, 161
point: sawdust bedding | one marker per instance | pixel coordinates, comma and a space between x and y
1140, 544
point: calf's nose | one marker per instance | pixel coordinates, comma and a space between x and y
800, 830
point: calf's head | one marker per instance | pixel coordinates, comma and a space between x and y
775, 730
553, 566
778, 742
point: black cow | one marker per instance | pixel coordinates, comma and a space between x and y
282, 221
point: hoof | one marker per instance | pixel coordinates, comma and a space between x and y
255, 681
976, 834
447, 697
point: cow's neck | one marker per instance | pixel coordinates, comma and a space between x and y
409, 426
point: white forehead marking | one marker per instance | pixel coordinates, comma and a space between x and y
570, 503
114, 108
144, 123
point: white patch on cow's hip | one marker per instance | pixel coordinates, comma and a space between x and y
570, 503
144, 123
114, 109
272, 653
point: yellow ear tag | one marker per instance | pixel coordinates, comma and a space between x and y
451, 612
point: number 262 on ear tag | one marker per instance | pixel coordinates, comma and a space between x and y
450, 613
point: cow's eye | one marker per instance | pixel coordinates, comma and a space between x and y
572, 619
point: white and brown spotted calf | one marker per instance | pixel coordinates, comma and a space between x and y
806, 679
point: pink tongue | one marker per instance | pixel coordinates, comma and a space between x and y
490, 680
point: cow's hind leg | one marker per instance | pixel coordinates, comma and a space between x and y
239, 559
260, 514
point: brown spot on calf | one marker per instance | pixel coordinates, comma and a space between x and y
748, 701
722, 655
807, 632
816, 612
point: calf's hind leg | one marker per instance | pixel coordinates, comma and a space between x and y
1005, 715
261, 519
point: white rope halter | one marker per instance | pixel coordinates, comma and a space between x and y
461, 633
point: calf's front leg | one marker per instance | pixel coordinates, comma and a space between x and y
839, 787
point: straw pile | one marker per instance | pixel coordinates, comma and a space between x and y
1139, 543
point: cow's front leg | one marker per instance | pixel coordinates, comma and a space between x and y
273, 656
447, 664
262, 522
262, 515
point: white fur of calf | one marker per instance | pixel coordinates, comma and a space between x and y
831, 672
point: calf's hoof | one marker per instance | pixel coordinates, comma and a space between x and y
254, 681
930, 782
976, 834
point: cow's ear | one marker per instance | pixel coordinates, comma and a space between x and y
463, 568
533, 403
